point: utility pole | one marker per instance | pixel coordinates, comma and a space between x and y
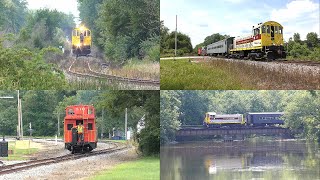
21, 119
102, 124
19, 125
58, 124
125, 125
175, 45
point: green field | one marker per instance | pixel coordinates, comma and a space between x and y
18, 154
182, 74
219, 74
147, 168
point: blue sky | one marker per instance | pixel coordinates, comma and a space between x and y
201, 18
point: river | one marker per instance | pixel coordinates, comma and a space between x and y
242, 160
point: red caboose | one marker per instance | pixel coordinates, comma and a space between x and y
75, 115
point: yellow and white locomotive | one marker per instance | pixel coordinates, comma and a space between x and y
213, 119
265, 42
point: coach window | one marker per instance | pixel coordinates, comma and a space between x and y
268, 29
89, 33
84, 33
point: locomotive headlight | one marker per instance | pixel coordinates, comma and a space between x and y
78, 45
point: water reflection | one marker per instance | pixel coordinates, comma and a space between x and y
241, 160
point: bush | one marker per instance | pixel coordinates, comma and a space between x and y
150, 49
299, 50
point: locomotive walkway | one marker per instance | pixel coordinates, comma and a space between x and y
191, 133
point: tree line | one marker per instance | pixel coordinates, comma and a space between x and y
42, 109
308, 49
301, 108
29, 41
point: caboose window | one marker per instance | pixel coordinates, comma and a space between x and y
90, 126
69, 126
89, 33
70, 111
89, 111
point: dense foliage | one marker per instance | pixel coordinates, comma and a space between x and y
42, 109
167, 41
302, 108
308, 49
124, 29
29, 42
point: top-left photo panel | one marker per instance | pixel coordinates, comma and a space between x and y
80, 44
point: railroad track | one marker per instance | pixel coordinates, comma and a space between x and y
95, 74
41, 162
302, 62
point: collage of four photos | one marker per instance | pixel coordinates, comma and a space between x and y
160, 89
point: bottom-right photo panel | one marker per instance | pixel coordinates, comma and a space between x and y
240, 135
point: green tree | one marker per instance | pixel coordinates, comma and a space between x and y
123, 25
312, 40
37, 109
299, 50
12, 15
214, 38
194, 104
296, 38
139, 103
169, 122
183, 42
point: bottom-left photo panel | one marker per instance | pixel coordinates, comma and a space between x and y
79, 134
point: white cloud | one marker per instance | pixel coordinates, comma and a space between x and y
299, 16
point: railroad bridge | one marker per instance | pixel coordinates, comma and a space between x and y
187, 133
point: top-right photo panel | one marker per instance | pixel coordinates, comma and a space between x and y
240, 44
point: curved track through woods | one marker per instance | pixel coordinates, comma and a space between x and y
42, 162
89, 73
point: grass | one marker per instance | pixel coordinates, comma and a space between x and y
235, 74
18, 154
144, 168
182, 74
138, 69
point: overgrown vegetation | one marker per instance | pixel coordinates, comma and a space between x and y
308, 49
301, 108
234, 74
29, 42
167, 48
124, 29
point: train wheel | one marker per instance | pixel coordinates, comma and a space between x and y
72, 150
